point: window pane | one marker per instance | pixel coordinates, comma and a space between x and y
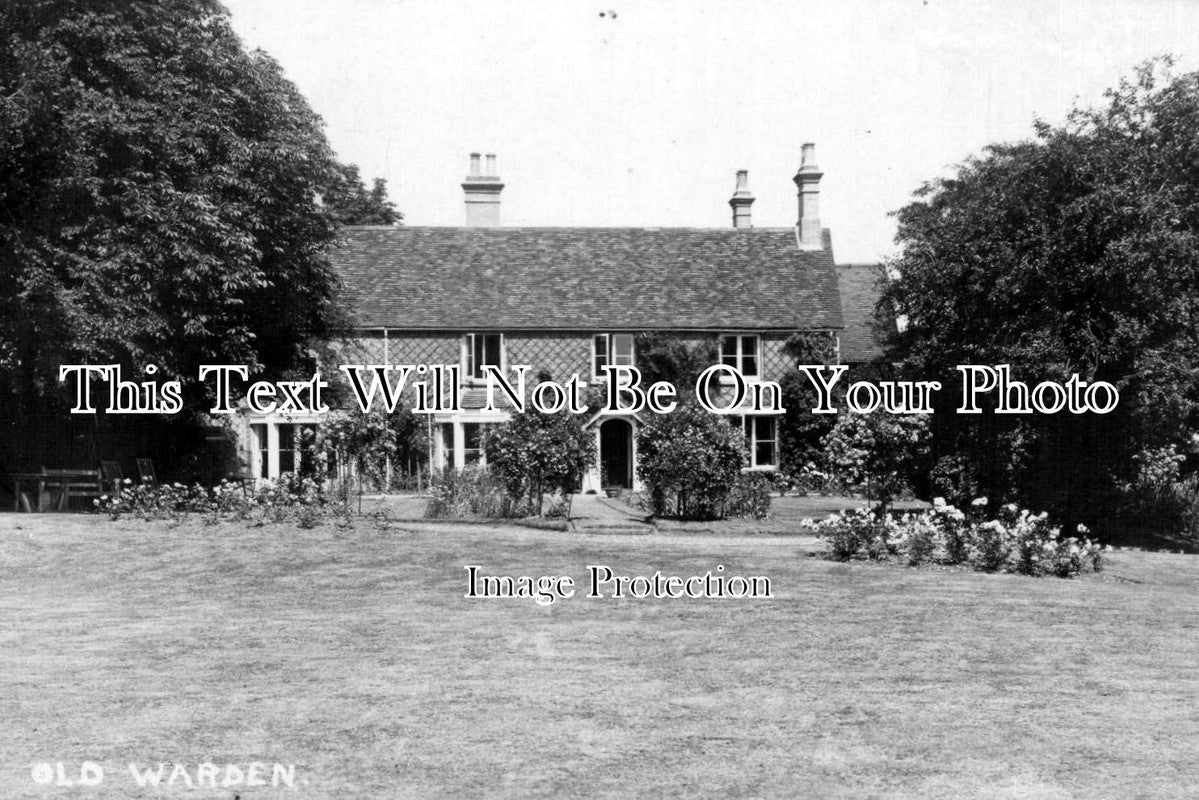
480, 356
749, 355
287, 448
622, 349
447, 441
728, 351
601, 353
764, 455
492, 353
260, 444
472, 442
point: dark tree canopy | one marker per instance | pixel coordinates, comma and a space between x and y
1076, 251
160, 200
351, 203
160, 203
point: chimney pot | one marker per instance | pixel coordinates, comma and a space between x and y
741, 201
474, 165
490, 165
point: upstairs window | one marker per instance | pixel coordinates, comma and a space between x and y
611, 349
741, 353
483, 350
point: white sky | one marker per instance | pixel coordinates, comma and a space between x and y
643, 119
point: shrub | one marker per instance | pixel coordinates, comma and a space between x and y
689, 461
472, 492
536, 454
1158, 500
877, 453
304, 500
750, 496
1015, 541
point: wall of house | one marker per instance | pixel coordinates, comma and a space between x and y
560, 354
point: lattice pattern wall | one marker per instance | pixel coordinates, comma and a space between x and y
561, 355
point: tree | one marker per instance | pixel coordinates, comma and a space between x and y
535, 454
800, 431
351, 203
159, 201
876, 454
689, 461
1076, 251
674, 359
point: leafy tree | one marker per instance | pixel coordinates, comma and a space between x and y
800, 431
374, 439
689, 461
535, 454
674, 359
877, 453
1076, 251
351, 203
159, 198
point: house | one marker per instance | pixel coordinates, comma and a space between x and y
571, 300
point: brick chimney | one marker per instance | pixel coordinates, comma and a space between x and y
482, 188
808, 180
741, 201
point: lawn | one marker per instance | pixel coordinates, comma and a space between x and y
352, 655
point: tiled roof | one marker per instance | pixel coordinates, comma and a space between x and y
866, 329
586, 279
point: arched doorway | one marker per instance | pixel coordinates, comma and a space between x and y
616, 453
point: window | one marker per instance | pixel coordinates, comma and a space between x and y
295, 442
741, 353
761, 440
615, 349
472, 442
483, 350
262, 447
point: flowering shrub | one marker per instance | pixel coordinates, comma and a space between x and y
1015, 540
303, 500
876, 453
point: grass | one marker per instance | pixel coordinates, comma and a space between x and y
353, 655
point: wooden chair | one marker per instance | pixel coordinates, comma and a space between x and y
111, 475
145, 471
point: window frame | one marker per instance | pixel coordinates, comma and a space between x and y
748, 423
607, 338
468, 354
739, 356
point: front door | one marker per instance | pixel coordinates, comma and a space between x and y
616, 453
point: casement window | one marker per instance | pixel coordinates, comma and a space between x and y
482, 350
761, 440
611, 349
293, 441
263, 449
741, 353
472, 443
278, 448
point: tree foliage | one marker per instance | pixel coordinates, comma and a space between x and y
674, 359
351, 203
689, 461
800, 431
877, 453
160, 200
535, 454
1076, 251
